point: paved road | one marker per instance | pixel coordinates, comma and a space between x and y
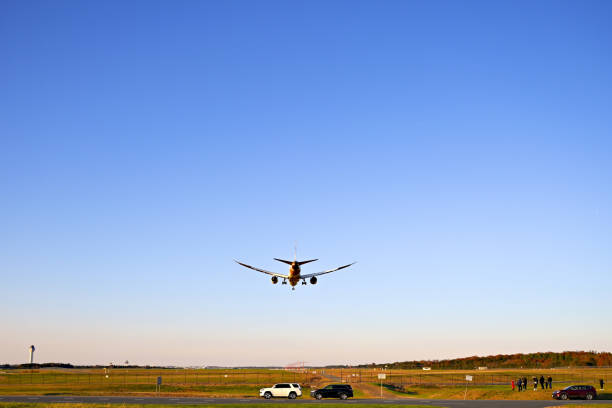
209, 401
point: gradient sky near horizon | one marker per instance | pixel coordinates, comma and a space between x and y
459, 151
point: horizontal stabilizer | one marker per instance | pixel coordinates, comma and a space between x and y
305, 262
282, 260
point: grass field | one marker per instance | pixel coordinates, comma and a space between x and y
583, 406
210, 383
118, 376
310, 376
217, 391
451, 377
494, 392
245, 383
267, 405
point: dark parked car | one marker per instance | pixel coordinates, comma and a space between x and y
342, 391
576, 391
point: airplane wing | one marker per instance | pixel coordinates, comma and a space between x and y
310, 275
280, 275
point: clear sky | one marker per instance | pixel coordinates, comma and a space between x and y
459, 151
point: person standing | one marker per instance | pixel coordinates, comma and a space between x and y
520, 384
542, 381
549, 382
512, 385
524, 383
535, 383
601, 383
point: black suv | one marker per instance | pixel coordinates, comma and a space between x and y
342, 391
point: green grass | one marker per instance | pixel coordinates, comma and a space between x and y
245, 383
584, 406
560, 375
225, 382
493, 392
238, 391
267, 377
357, 393
149, 376
262, 376
254, 405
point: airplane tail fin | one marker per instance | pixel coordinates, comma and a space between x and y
282, 260
305, 262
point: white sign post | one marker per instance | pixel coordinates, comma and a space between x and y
467, 379
381, 377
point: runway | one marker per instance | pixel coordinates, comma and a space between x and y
220, 401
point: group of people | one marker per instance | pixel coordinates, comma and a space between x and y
545, 383
521, 383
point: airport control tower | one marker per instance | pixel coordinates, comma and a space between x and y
32, 354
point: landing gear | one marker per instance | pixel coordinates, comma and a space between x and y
303, 281
284, 281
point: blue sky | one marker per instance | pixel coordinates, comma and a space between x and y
459, 151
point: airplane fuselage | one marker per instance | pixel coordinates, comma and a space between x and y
294, 274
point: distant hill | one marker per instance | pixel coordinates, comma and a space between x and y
531, 360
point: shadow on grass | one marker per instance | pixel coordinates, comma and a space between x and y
395, 388
604, 395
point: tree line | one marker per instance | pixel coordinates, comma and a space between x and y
68, 365
530, 360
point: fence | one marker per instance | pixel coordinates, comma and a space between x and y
457, 378
169, 377
267, 377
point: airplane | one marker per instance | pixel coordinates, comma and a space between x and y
295, 274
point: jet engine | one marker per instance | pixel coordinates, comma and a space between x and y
313, 280
274, 280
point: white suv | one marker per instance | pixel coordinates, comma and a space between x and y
286, 390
